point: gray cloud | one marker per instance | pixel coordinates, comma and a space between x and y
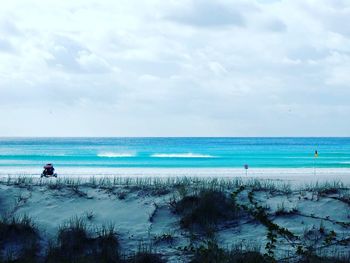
208, 14
308, 53
276, 25
8, 28
69, 55
6, 46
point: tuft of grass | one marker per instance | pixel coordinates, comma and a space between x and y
90, 215
55, 185
312, 258
283, 210
268, 185
73, 235
145, 257
122, 195
107, 245
76, 243
16, 225
145, 254
205, 209
331, 236
72, 242
212, 253
326, 188
163, 238
19, 233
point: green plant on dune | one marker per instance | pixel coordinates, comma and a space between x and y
76, 243
144, 254
282, 210
313, 258
107, 245
260, 214
163, 238
210, 252
145, 257
205, 210
331, 236
21, 234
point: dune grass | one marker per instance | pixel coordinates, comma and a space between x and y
144, 254
19, 239
158, 185
77, 243
205, 210
212, 253
312, 258
202, 205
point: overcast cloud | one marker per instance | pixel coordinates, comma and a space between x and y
175, 68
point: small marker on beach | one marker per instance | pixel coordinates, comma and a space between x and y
246, 169
315, 156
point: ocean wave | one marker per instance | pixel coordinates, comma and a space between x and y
312, 157
115, 155
181, 155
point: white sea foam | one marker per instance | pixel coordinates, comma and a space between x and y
115, 155
181, 155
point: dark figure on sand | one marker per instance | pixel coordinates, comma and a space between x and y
48, 171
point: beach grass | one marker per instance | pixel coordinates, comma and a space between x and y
202, 207
19, 239
205, 209
211, 252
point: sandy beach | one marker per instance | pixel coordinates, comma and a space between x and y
162, 216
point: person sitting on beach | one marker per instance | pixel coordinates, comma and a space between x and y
48, 170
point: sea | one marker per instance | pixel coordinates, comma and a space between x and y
108, 155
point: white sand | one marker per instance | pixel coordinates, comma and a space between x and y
142, 216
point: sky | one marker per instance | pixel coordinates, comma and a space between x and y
175, 68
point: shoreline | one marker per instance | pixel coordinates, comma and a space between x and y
301, 175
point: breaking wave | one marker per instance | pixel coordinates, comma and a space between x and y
181, 155
115, 155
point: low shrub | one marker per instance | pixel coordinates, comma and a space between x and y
19, 239
145, 257
212, 253
205, 209
282, 210
75, 243
317, 259
145, 254
163, 238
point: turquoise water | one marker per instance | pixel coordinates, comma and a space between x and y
175, 152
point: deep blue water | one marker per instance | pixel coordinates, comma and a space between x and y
175, 152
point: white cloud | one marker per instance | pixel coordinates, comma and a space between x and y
184, 67
92, 63
207, 14
6, 46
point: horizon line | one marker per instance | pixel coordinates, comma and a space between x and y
39, 137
